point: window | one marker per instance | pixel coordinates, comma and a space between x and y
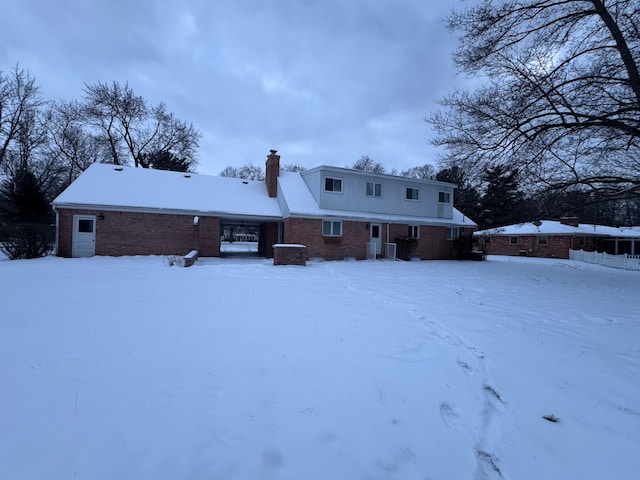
332, 184
444, 197
331, 228
412, 193
414, 231
513, 240
453, 233
85, 226
543, 240
374, 189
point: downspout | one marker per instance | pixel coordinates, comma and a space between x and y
57, 228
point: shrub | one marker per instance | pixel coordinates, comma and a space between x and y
27, 240
404, 246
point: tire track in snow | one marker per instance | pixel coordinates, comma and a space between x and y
473, 363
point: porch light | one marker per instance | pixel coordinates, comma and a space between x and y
101, 217
366, 226
196, 219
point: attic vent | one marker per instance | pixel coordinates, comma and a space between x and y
187, 176
118, 169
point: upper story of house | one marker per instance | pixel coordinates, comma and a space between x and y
337, 188
343, 189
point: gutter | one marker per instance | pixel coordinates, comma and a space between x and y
162, 211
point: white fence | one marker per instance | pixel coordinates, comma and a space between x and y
372, 250
626, 262
390, 251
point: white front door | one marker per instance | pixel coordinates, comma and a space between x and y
376, 236
84, 235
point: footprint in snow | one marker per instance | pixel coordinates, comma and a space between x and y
465, 366
449, 416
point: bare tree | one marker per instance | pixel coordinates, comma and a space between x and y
251, 172
424, 172
71, 143
132, 130
248, 172
367, 164
230, 171
19, 99
561, 100
292, 167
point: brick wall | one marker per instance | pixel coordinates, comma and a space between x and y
308, 232
289, 255
557, 247
432, 245
129, 233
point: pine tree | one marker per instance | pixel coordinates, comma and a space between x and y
502, 203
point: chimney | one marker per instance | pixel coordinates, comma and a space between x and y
571, 221
272, 173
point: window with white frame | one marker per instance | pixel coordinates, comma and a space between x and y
414, 231
374, 189
412, 193
543, 240
332, 184
332, 228
453, 233
513, 240
444, 197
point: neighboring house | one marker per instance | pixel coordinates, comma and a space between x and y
547, 238
335, 212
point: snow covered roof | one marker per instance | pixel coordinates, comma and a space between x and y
301, 203
114, 187
109, 187
552, 227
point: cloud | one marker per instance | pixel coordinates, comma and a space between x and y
330, 80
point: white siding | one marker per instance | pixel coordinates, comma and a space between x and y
393, 200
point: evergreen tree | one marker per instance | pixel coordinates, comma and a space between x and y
26, 229
165, 160
502, 203
22, 200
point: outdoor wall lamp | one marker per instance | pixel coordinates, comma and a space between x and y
101, 217
196, 220
366, 226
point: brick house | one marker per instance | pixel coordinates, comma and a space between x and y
554, 239
335, 212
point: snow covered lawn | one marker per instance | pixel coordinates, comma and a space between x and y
235, 369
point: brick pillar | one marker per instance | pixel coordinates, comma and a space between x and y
272, 173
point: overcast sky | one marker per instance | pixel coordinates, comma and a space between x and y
321, 81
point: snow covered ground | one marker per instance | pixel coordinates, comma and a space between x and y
235, 369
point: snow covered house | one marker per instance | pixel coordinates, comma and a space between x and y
547, 238
335, 212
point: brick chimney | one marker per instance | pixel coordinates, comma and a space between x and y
272, 172
571, 221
